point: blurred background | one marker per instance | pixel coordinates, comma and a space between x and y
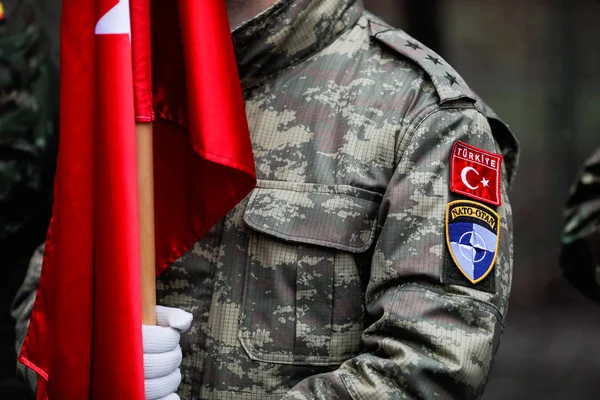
536, 62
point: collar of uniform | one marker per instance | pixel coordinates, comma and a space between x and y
288, 32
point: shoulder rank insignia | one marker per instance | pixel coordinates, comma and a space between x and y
475, 173
448, 83
472, 235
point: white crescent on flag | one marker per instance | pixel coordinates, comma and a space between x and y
115, 21
463, 176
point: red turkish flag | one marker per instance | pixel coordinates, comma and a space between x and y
475, 173
84, 338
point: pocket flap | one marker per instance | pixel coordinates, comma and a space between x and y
340, 217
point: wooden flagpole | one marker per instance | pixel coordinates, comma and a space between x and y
146, 210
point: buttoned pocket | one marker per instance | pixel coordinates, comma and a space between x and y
303, 301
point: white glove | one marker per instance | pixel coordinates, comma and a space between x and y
162, 353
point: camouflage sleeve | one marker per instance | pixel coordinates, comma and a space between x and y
427, 339
22, 308
580, 257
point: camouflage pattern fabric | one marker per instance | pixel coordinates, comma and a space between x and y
326, 282
580, 256
22, 307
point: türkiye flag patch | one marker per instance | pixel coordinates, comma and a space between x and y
475, 173
472, 235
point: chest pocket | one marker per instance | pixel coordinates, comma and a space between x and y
303, 302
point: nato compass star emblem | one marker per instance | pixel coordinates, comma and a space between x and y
472, 235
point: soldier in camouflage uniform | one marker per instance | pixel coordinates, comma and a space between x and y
28, 118
333, 279
28, 141
580, 256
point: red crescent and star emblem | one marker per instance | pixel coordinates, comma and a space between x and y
475, 173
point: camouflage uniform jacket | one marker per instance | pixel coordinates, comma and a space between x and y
580, 256
328, 281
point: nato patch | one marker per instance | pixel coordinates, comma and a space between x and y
472, 235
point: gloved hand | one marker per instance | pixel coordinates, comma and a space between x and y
162, 353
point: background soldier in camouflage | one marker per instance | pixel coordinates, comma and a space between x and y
28, 115
580, 256
333, 279
28, 121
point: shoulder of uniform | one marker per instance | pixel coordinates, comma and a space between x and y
448, 83
503, 135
